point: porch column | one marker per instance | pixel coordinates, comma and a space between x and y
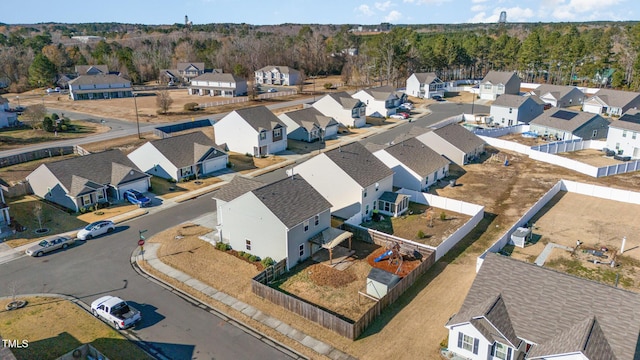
5, 216
330, 256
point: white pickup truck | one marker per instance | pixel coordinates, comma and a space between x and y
115, 311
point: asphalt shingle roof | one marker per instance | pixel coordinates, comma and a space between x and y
281, 69
188, 149
184, 65
218, 77
237, 186
629, 121
99, 79
499, 77
616, 98
361, 165
344, 99
426, 78
381, 93
459, 137
510, 100
260, 118
563, 119
310, 116
417, 156
558, 91
292, 200
544, 304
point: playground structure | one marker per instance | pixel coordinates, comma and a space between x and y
393, 255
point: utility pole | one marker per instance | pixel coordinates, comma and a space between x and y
137, 119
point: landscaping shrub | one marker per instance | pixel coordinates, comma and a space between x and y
222, 246
241, 253
246, 256
266, 262
253, 258
420, 234
64, 127
191, 106
328, 86
443, 216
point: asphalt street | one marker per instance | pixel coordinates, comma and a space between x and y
171, 325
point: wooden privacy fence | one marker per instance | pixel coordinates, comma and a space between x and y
35, 155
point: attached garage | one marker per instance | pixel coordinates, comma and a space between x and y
141, 185
215, 164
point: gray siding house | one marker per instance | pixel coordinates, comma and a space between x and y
309, 125
509, 110
612, 102
454, 142
496, 83
88, 180
425, 85
103, 86
276, 220
559, 95
560, 124
277, 75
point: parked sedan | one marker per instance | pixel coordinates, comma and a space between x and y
400, 115
49, 245
137, 198
96, 229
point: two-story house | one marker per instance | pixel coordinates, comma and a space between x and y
611, 102
309, 125
218, 84
623, 134
277, 75
92, 87
509, 110
425, 85
496, 83
383, 100
7, 116
5, 218
91, 70
255, 130
454, 142
352, 179
187, 70
276, 220
343, 108
559, 95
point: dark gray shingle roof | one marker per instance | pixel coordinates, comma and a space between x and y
543, 304
344, 99
260, 118
510, 100
459, 137
426, 78
500, 77
184, 65
361, 165
188, 149
617, 98
563, 119
281, 69
292, 200
99, 79
219, 77
417, 156
558, 91
307, 117
237, 186
629, 121
381, 93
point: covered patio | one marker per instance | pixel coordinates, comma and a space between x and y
393, 204
329, 239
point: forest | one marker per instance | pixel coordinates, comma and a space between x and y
33, 56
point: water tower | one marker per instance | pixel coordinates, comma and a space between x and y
503, 17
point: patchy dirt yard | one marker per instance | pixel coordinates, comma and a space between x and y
518, 138
592, 157
244, 163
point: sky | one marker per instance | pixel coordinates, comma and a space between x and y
269, 12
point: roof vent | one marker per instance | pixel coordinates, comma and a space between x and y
131, 172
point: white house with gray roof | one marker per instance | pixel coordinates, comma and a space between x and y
425, 85
612, 102
382, 99
103, 86
309, 125
415, 166
276, 220
7, 116
454, 142
562, 124
218, 84
84, 181
277, 75
623, 134
255, 130
517, 310
345, 109
351, 178
509, 110
559, 95
496, 83
179, 157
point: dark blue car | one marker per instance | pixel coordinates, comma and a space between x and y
136, 197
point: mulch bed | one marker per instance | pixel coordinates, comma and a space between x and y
324, 275
408, 263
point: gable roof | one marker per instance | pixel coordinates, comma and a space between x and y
188, 149
84, 69
108, 167
280, 69
557, 304
628, 121
344, 99
292, 200
426, 78
499, 77
510, 100
260, 118
99, 79
237, 186
562, 119
381, 93
460, 137
218, 77
557, 91
361, 165
184, 65
308, 117
617, 98
418, 157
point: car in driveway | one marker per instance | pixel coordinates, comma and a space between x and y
96, 229
400, 115
272, 90
437, 98
49, 245
137, 198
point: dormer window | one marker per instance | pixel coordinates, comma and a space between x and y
263, 135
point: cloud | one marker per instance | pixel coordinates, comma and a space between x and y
478, 1
426, 2
393, 16
383, 6
477, 8
577, 9
514, 14
364, 10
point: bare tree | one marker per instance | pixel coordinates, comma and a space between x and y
37, 212
34, 114
164, 101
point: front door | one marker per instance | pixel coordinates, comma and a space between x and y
636, 152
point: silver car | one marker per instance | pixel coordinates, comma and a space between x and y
96, 229
49, 245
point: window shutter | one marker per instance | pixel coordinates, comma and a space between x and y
492, 349
460, 340
508, 353
475, 346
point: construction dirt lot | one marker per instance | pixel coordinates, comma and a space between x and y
415, 323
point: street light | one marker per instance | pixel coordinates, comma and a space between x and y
137, 119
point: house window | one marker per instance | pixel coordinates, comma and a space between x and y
247, 244
306, 225
301, 250
263, 135
501, 351
624, 133
617, 146
510, 110
316, 220
595, 133
365, 193
86, 200
277, 134
633, 136
468, 343
100, 195
500, 87
367, 210
377, 186
487, 86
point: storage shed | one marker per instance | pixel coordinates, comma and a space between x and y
379, 282
520, 237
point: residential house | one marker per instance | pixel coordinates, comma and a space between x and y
179, 157
559, 95
509, 110
84, 181
283, 216
612, 102
603, 77
218, 84
561, 124
92, 87
517, 310
309, 125
5, 218
382, 100
425, 85
91, 70
415, 166
8, 117
351, 178
455, 142
255, 130
623, 134
341, 106
277, 75
496, 83
188, 71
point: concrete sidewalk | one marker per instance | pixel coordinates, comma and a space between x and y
308, 341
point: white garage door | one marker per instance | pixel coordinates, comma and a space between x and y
216, 164
141, 185
594, 109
